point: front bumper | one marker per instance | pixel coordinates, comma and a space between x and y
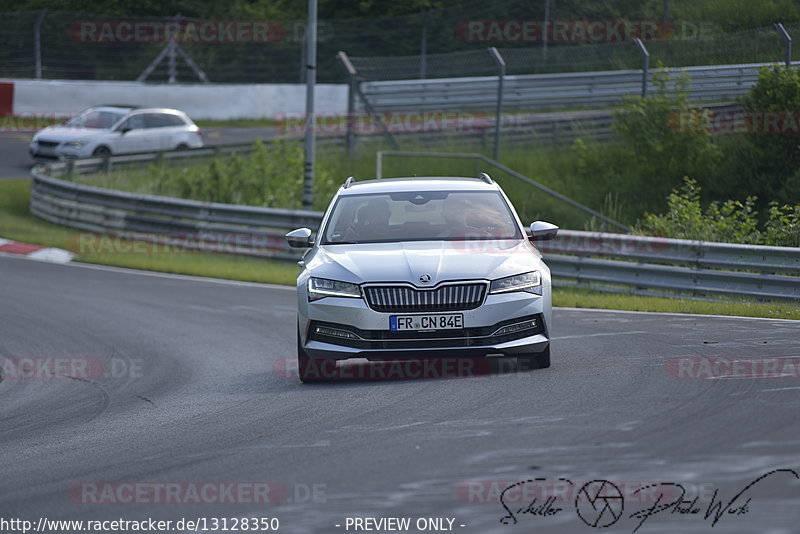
484, 333
54, 151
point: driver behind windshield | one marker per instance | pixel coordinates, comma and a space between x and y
372, 222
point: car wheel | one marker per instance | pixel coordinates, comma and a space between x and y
309, 369
182, 147
536, 360
101, 151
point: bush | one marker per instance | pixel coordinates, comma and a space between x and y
773, 161
658, 152
271, 176
649, 158
728, 222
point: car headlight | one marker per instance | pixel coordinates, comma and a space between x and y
322, 287
74, 144
518, 282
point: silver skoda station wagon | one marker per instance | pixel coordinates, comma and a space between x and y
418, 269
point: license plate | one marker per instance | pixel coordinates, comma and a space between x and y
426, 322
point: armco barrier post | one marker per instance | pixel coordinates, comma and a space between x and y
37, 43
645, 64
351, 99
501, 74
788, 40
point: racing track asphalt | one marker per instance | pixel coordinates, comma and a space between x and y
197, 398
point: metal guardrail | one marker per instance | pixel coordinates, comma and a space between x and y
613, 262
552, 91
167, 223
618, 262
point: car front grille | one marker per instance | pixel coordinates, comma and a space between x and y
457, 338
48, 144
405, 299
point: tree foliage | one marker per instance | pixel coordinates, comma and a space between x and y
773, 164
730, 221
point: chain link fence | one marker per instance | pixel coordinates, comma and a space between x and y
578, 36
760, 45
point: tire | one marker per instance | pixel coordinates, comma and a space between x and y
101, 151
182, 147
536, 360
309, 370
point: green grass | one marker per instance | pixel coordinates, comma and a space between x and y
16, 223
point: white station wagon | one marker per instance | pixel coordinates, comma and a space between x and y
421, 268
114, 130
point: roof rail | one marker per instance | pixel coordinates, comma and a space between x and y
486, 178
348, 182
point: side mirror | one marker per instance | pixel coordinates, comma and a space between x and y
543, 231
124, 130
300, 238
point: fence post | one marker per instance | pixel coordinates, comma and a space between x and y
351, 99
645, 64
788, 40
501, 66
546, 30
423, 47
379, 164
311, 81
37, 43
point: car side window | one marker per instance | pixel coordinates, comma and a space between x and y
171, 120
133, 123
154, 120
162, 120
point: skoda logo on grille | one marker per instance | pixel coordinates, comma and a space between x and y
425, 278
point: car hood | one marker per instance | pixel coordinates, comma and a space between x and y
68, 133
441, 260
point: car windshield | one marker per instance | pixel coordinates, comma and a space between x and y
420, 216
92, 118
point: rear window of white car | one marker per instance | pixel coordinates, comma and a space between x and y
420, 216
